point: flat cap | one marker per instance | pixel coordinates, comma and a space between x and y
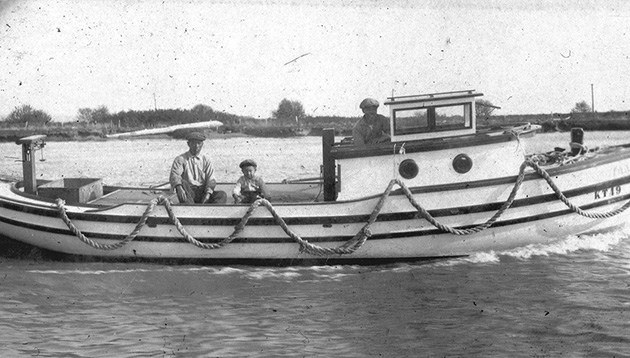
368, 102
248, 163
196, 136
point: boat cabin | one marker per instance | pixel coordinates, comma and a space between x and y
434, 141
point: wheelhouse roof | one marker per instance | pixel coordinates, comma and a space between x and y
434, 97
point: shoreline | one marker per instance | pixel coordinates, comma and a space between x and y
74, 135
93, 133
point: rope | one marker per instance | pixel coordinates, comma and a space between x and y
562, 157
348, 247
64, 216
445, 228
359, 238
237, 230
582, 147
572, 206
506, 205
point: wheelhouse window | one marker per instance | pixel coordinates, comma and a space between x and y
431, 119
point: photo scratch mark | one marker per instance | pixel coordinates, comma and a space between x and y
297, 58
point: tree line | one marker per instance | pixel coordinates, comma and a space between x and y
290, 113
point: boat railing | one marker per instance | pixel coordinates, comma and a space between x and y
310, 180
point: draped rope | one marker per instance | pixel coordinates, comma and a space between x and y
359, 239
143, 220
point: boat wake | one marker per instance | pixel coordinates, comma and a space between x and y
314, 273
571, 244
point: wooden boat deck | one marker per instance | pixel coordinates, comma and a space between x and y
120, 196
279, 192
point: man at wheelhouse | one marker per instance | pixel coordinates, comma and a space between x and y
373, 128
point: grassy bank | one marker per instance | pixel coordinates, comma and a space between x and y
55, 133
609, 121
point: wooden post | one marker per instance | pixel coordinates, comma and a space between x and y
592, 100
29, 146
577, 137
330, 187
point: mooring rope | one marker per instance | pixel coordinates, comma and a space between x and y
543, 173
359, 238
237, 230
143, 220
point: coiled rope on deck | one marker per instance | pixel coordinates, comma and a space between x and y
359, 238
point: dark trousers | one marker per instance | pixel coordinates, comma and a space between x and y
250, 196
194, 194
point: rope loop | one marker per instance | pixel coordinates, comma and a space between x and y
576, 209
61, 208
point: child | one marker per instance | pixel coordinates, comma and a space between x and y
250, 186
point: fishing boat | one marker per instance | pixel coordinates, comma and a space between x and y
442, 187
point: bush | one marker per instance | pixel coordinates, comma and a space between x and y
27, 115
484, 108
288, 112
98, 115
581, 107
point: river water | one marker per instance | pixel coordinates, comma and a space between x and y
570, 298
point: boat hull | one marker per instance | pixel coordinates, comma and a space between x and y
397, 230
408, 247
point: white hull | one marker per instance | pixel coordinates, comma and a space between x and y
412, 247
536, 216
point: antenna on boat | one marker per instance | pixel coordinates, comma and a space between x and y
41, 153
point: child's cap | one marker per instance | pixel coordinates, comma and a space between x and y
248, 163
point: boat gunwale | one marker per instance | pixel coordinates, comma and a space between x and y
500, 135
100, 216
315, 239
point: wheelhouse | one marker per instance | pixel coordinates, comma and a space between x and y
433, 115
434, 142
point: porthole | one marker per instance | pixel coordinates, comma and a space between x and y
462, 163
408, 169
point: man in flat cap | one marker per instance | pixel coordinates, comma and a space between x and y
192, 175
372, 128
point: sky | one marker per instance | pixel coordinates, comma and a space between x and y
244, 57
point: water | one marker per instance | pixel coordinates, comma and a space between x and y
570, 298
148, 161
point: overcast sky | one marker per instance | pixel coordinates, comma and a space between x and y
243, 57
